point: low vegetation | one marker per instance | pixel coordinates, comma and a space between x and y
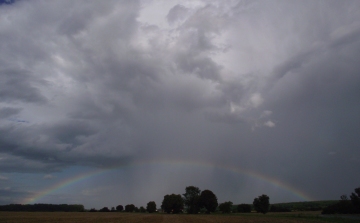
119, 217
43, 207
194, 201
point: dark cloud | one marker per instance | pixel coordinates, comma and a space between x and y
7, 2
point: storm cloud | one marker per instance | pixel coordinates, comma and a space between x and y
269, 87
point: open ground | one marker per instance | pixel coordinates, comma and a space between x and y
87, 217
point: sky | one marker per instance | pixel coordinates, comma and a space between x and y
115, 102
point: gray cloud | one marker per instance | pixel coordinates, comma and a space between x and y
11, 196
17, 85
271, 87
178, 12
8, 112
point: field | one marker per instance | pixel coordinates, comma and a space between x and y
87, 217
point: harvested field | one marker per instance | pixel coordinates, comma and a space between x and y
86, 217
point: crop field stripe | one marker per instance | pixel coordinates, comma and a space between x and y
101, 217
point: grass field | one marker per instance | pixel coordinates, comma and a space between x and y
87, 217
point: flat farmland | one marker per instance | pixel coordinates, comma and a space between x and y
100, 217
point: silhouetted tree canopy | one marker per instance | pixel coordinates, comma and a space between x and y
104, 209
151, 207
226, 207
208, 200
355, 199
262, 204
119, 208
192, 199
129, 208
172, 203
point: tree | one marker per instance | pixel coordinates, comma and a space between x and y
355, 200
261, 204
129, 208
151, 207
119, 208
142, 209
172, 203
226, 207
244, 208
191, 199
104, 209
93, 210
208, 200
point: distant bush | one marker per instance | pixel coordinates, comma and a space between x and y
129, 208
104, 209
119, 208
142, 209
244, 208
225, 207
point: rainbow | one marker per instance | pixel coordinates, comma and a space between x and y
253, 174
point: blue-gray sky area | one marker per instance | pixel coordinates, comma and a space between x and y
123, 101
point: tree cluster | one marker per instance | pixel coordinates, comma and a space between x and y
262, 204
194, 200
345, 206
226, 207
151, 207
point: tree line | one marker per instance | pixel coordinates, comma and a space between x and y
43, 207
345, 206
194, 201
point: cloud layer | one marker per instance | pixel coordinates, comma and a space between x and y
267, 86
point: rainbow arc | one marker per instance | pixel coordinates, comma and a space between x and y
252, 174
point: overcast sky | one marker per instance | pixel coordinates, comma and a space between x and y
240, 97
